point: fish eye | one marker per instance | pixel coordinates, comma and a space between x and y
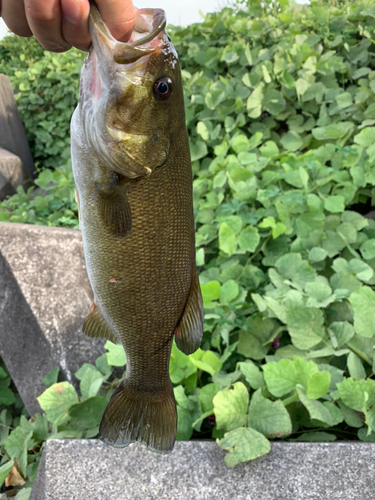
163, 88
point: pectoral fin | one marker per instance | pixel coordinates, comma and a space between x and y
95, 326
188, 334
114, 207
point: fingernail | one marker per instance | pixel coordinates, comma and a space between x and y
71, 11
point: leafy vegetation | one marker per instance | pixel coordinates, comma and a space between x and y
280, 109
46, 87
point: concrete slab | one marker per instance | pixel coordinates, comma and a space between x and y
44, 297
82, 469
12, 174
12, 133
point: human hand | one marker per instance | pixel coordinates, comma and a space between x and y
60, 24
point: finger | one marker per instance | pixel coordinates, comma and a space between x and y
119, 16
13, 13
75, 23
44, 19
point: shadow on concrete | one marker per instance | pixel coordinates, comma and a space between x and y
23, 346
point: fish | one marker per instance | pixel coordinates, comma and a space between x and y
132, 170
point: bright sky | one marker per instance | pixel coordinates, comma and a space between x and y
179, 12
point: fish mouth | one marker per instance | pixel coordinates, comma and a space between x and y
144, 39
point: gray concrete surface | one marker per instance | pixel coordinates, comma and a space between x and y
44, 297
12, 133
12, 174
88, 469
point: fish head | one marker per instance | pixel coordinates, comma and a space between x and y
131, 99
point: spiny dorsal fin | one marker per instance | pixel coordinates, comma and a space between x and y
188, 334
95, 326
114, 207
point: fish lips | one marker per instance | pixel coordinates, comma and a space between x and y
145, 40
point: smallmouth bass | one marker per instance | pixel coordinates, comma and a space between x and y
131, 165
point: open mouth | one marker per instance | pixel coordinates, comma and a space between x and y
145, 39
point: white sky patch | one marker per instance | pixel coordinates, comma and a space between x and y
179, 12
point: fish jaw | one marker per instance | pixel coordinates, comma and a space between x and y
117, 83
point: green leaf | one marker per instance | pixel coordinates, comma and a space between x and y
270, 418
206, 361
51, 377
363, 304
5, 469
88, 414
249, 239
254, 102
180, 366
351, 418
91, 382
56, 400
357, 394
16, 446
305, 326
198, 150
206, 396
44, 178
342, 331
210, 291
368, 249
320, 294
333, 131
274, 102
40, 427
315, 437
24, 494
344, 100
317, 254
282, 377
115, 355
355, 367
291, 141
318, 385
315, 408
229, 291
278, 230
362, 270
203, 131
240, 143
230, 407
102, 365
335, 204
269, 149
258, 332
366, 137
250, 347
184, 424
252, 374
7, 397
244, 444
227, 239
292, 266
336, 414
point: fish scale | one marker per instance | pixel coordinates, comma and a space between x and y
134, 191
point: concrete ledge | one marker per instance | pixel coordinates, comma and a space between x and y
88, 469
44, 297
12, 174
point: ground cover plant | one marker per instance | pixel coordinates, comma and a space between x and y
280, 109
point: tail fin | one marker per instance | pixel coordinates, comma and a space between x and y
147, 417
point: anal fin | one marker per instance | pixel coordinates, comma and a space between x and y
114, 207
188, 334
95, 326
